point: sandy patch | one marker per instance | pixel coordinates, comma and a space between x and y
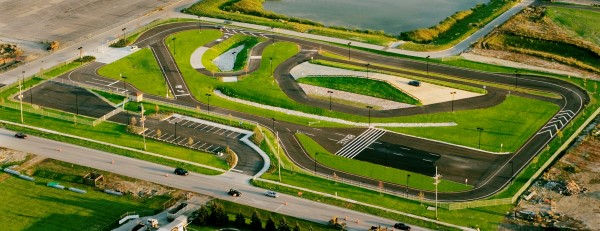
196, 59
427, 93
383, 104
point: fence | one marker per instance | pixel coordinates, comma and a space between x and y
106, 116
70, 118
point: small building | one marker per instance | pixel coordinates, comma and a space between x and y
136, 97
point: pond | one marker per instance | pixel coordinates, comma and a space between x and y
392, 16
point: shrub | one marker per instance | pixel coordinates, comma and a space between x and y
270, 226
85, 59
240, 221
255, 222
203, 216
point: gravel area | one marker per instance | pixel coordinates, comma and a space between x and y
343, 95
226, 61
427, 93
196, 59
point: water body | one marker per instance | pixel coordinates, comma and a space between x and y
391, 16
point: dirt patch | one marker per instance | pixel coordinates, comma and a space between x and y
11, 156
566, 196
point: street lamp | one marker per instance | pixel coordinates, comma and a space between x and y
76, 104
31, 96
208, 97
407, 177
368, 64
123, 30
125, 92
273, 35
143, 119
80, 51
273, 123
176, 130
200, 20
453, 93
512, 168
516, 78
316, 154
174, 50
21, 93
369, 107
349, 50
480, 130
330, 93
436, 182
427, 64
271, 65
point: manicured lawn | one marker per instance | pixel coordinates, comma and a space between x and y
583, 22
374, 171
34, 206
487, 218
362, 86
509, 124
116, 99
59, 70
141, 70
241, 58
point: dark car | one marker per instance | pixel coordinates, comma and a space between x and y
415, 83
21, 135
401, 226
234, 193
181, 171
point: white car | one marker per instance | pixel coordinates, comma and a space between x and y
272, 194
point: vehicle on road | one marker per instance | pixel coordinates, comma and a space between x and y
21, 135
401, 226
272, 194
181, 172
234, 193
415, 83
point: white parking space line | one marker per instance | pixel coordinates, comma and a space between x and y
192, 124
185, 122
233, 133
397, 154
198, 125
215, 149
163, 135
208, 147
225, 130
405, 148
112, 83
195, 144
211, 128
166, 138
183, 139
202, 145
150, 132
333, 139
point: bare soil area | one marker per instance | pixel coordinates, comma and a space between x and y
568, 194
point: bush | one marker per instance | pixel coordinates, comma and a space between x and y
120, 43
240, 221
203, 216
85, 59
255, 222
430, 34
218, 217
270, 225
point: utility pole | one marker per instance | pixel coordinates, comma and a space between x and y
349, 50
278, 157
436, 182
143, 119
21, 94
453, 93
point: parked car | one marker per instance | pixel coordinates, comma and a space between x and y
181, 172
272, 194
21, 135
415, 83
234, 193
401, 226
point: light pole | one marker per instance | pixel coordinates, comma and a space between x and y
436, 182
512, 168
174, 50
369, 107
273, 35
80, 51
21, 93
125, 92
480, 130
516, 79
123, 30
368, 64
200, 20
273, 123
453, 93
278, 157
316, 154
76, 104
349, 50
407, 177
330, 93
427, 64
208, 97
30, 96
143, 119
176, 130
271, 65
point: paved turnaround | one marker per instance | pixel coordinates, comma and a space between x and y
215, 186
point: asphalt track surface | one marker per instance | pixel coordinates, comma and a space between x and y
494, 171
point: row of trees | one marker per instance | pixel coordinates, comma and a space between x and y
214, 214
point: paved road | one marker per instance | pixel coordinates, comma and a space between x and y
493, 176
215, 186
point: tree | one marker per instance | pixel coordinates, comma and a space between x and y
218, 217
158, 133
297, 227
198, 108
255, 222
156, 108
421, 197
133, 121
240, 221
270, 226
190, 141
283, 225
203, 216
257, 137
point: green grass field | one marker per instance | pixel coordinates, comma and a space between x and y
362, 86
234, 41
116, 99
509, 124
141, 70
374, 171
583, 23
34, 206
